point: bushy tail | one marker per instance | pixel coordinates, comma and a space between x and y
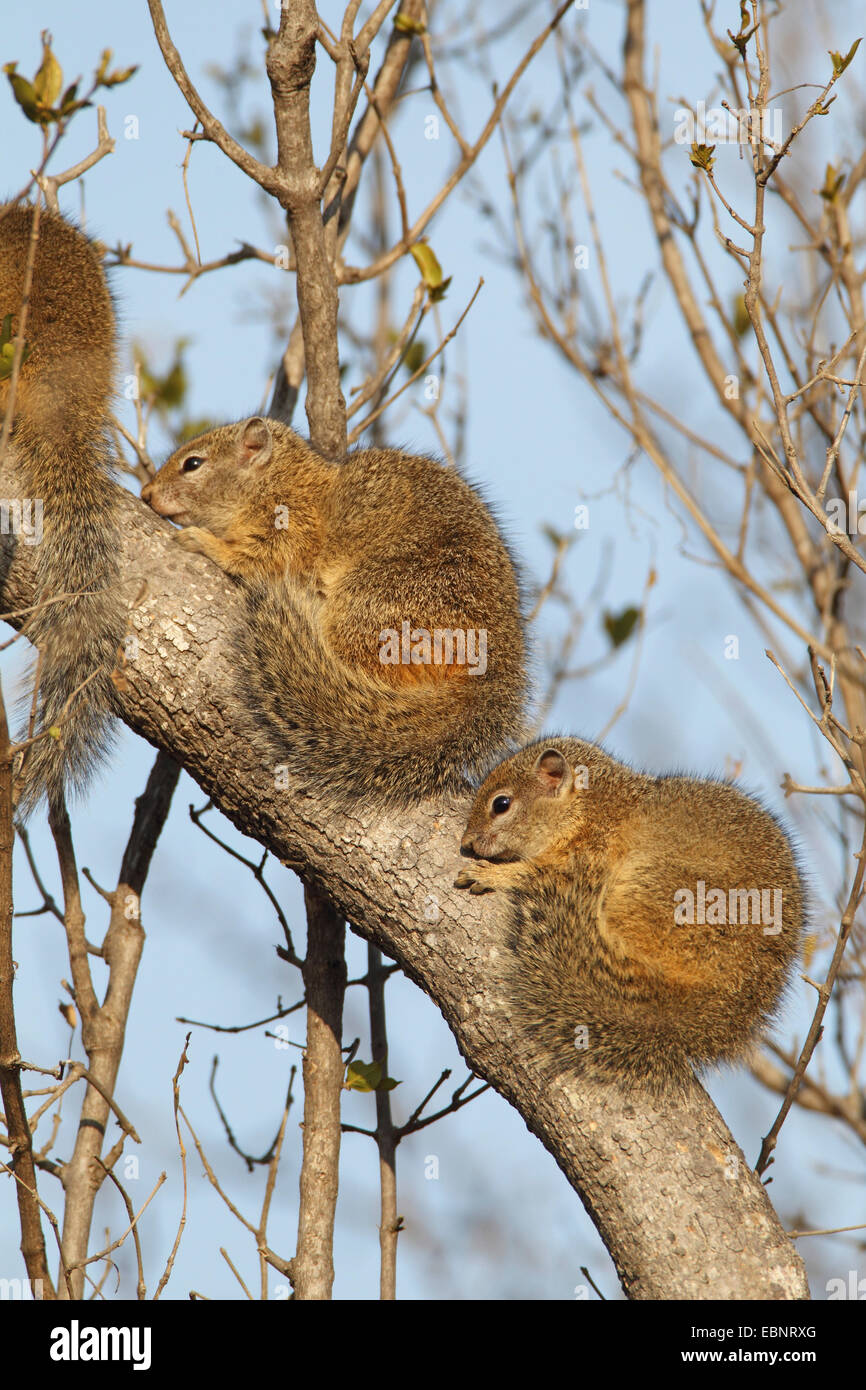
354, 738
78, 621
53, 288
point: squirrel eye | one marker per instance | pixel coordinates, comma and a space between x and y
500, 805
192, 463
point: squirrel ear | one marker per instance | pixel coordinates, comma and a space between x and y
554, 773
256, 443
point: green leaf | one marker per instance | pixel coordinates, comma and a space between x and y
551, 534
363, 1076
415, 355
840, 63
407, 25
833, 181
68, 103
367, 1076
7, 349
742, 322
441, 290
425, 258
166, 391
620, 626
23, 92
48, 82
104, 62
114, 79
702, 157
740, 39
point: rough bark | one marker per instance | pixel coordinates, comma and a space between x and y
656, 1180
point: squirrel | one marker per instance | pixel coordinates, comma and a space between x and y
654, 921
63, 455
381, 656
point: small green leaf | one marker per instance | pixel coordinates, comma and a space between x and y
407, 25
742, 38
415, 355
104, 62
23, 92
114, 79
363, 1076
7, 349
833, 181
840, 63
742, 322
425, 258
168, 390
48, 82
69, 103
551, 534
441, 290
702, 157
620, 626
367, 1076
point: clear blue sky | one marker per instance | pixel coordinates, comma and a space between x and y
500, 1221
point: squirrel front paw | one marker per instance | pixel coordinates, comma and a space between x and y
475, 879
194, 538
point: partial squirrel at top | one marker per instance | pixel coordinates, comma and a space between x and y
62, 454
382, 654
653, 921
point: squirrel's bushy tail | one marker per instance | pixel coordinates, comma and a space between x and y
63, 458
358, 739
77, 624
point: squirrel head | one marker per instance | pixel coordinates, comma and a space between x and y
520, 810
209, 471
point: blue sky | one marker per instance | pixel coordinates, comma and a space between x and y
500, 1221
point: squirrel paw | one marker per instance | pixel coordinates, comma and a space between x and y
194, 538
474, 879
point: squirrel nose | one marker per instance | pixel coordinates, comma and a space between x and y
467, 847
146, 491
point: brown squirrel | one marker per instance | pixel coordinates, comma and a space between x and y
382, 653
654, 921
60, 444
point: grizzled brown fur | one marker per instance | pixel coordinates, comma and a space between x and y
597, 861
60, 441
332, 556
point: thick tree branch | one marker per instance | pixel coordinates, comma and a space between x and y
22, 1166
103, 1026
325, 985
291, 62
667, 1187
